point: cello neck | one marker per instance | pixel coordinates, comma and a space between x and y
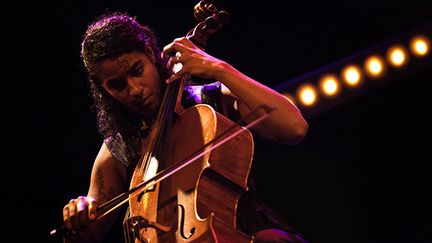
169, 106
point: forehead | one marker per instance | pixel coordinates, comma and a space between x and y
114, 67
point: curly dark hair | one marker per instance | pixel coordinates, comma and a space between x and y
110, 36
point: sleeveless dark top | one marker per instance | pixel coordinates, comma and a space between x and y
252, 214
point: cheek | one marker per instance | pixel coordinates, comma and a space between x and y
157, 85
121, 97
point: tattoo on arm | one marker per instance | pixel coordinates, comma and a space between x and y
104, 193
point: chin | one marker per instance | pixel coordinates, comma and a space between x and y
145, 111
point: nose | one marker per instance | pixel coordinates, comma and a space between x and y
134, 88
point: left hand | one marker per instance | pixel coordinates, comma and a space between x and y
194, 60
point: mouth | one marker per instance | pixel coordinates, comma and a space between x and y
140, 104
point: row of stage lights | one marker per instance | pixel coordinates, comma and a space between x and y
327, 85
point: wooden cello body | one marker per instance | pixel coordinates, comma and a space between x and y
199, 202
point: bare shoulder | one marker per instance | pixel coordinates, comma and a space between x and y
106, 160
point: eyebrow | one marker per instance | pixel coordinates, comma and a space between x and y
134, 66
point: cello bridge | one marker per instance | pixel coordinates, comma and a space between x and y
136, 223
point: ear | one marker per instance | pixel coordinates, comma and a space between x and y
151, 55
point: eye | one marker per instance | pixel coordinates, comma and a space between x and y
116, 84
137, 71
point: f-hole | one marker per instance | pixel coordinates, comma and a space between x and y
182, 219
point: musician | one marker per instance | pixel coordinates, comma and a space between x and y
128, 74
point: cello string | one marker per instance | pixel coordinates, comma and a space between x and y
268, 109
124, 197
160, 124
195, 155
109, 210
202, 151
156, 126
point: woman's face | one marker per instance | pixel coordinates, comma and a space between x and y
133, 80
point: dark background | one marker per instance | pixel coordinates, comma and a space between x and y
361, 175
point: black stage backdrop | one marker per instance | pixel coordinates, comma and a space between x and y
361, 175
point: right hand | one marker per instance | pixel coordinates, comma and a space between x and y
78, 213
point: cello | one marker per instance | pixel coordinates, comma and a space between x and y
198, 203
173, 206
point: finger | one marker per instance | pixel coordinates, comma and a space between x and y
82, 212
174, 59
199, 16
73, 215
92, 208
175, 76
66, 218
202, 13
177, 45
169, 50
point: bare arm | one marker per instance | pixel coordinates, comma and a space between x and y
285, 125
107, 181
